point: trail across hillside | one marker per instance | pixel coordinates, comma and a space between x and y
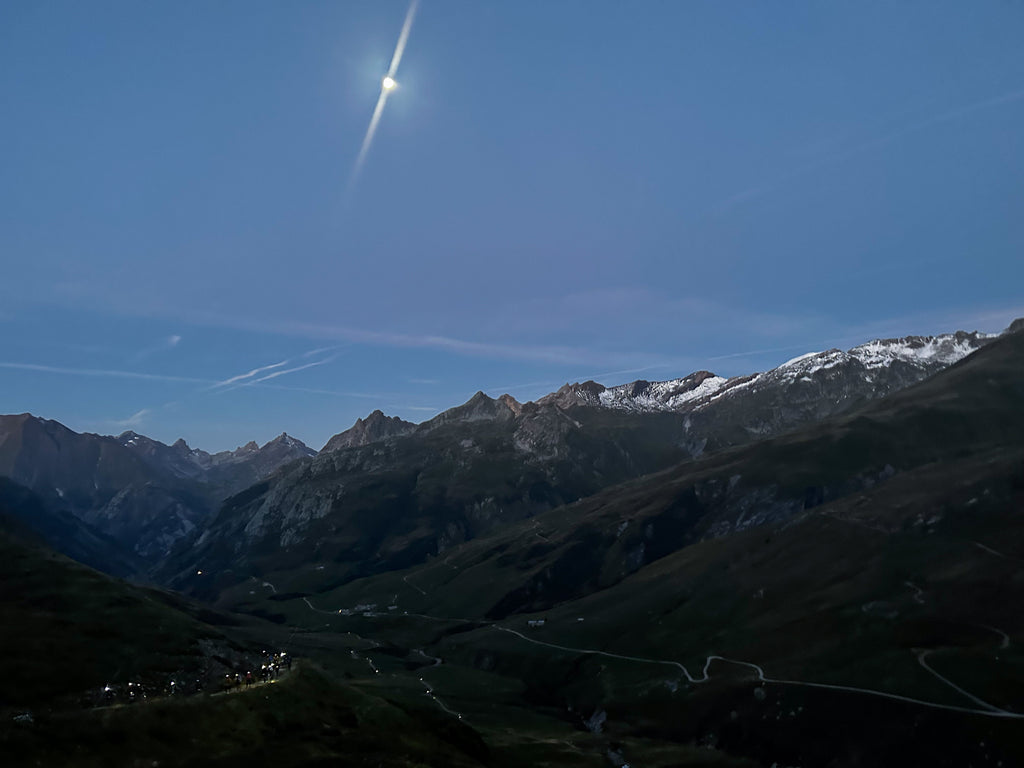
989, 712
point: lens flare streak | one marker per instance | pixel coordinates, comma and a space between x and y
388, 85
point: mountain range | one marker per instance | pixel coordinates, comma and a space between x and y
140, 494
386, 493
816, 565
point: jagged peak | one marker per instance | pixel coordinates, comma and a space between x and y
480, 407
569, 395
511, 403
287, 442
376, 426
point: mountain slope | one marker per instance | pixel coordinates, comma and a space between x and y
21, 509
374, 427
69, 630
222, 474
810, 599
101, 482
386, 494
976, 408
138, 492
392, 503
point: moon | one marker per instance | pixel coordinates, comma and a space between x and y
387, 85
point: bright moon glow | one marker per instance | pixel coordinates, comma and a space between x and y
388, 84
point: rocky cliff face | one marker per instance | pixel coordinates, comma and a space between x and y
393, 502
872, 369
102, 482
386, 494
899, 464
227, 471
142, 494
374, 427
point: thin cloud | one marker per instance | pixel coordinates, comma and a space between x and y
987, 320
168, 343
330, 392
293, 370
254, 374
321, 350
100, 299
135, 420
920, 125
756, 352
98, 372
540, 353
944, 117
250, 374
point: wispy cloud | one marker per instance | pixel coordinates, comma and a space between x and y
249, 374
169, 342
255, 377
942, 117
100, 298
493, 350
275, 374
988, 320
330, 392
755, 352
100, 372
838, 155
133, 421
321, 350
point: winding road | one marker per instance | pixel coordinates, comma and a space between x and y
989, 711
921, 660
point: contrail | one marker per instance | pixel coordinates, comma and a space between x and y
937, 119
403, 38
250, 374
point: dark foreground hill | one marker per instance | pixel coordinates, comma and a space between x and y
70, 630
101, 673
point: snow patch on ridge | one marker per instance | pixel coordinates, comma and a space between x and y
661, 395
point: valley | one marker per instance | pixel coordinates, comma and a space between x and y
571, 583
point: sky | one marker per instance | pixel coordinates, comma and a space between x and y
555, 191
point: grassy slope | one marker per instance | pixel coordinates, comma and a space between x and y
304, 719
847, 591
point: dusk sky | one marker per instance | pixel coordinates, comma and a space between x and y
556, 191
